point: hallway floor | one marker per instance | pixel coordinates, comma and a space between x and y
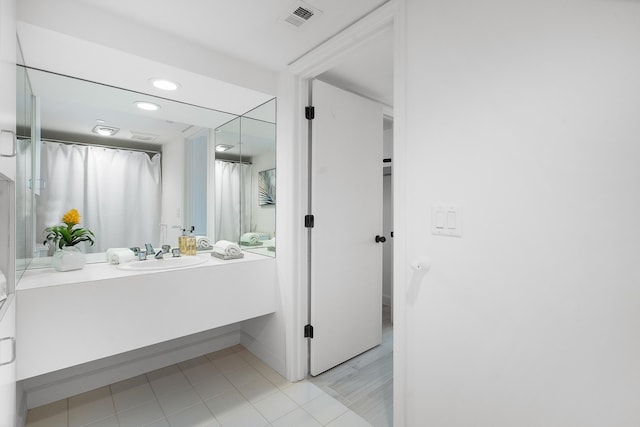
364, 384
231, 387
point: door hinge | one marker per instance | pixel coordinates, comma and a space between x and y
308, 331
309, 112
309, 221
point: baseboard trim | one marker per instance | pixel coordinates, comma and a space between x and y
263, 353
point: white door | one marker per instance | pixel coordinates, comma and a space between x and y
346, 201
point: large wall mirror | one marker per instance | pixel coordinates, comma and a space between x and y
137, 175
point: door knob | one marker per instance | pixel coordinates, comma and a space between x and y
381, 239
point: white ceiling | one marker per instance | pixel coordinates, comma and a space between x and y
249, 29
255, 31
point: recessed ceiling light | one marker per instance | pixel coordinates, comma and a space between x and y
148, 106
105, 130
223, 147
165, 84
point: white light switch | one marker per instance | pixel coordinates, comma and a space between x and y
446, 221
439, 219
451, 220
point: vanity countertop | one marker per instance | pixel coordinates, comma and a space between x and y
47, 276
81, 316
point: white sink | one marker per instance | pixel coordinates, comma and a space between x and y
168, 263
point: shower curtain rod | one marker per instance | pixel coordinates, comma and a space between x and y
88, 144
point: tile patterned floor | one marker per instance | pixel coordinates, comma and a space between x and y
231, 387
364, 384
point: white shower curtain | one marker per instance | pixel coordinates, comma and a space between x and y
118, 193
233, 200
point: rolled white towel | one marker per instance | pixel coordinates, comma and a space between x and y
120, 255
225, 247
111, 251
203, 242
250, 238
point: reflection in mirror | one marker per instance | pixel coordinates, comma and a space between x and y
129, 187
231, 176
258, 139
244, 163
241, 163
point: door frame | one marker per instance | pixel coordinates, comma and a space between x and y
294, 84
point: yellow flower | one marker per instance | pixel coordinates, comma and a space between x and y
68, 234
72, 217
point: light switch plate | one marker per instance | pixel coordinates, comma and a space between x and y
446, 220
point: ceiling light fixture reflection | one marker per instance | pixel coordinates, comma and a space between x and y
165, 84
105, 130
223, 147
147, 106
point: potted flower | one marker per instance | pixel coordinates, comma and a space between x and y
64, 238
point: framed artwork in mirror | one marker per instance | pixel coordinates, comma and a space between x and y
267, 187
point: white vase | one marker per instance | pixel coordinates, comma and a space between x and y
68, 258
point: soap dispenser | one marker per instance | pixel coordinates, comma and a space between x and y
191, 242
182, 242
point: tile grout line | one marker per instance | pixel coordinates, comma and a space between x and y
113, 404
202, 400
256, 365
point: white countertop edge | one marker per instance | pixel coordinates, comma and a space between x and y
45, 277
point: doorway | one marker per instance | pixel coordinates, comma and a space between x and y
363, 383
360, 381
323, 61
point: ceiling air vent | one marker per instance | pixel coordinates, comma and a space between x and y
300, 13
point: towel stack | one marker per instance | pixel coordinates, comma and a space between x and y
225, 249
250, 239
119, 255
203, 243
271, 244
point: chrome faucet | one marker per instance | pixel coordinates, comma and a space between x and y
149, 248
159, 254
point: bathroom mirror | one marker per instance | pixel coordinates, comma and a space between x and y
258, 138
24, 191
240, 160
130, 187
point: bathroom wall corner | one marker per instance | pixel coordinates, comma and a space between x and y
262, 336
21, 406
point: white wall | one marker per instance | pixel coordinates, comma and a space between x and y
95, 25
526, 114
